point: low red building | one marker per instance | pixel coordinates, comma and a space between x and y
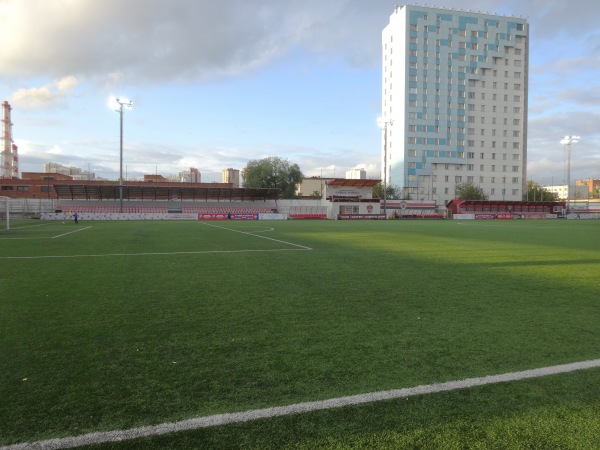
486, 209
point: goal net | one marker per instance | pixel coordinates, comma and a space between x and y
4, 213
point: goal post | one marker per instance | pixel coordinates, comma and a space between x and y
5, 212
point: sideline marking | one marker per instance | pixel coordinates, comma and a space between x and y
71, 232
155, 254
26, 226
34, 238
296, 408
255, 235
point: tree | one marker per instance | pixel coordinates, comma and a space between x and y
273, 172
536, 193
393, 192
468, 191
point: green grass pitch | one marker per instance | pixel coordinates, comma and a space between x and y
112, 325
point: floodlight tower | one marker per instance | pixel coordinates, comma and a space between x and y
568, 140
383, 124
123, 103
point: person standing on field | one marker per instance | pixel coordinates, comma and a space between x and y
75, 217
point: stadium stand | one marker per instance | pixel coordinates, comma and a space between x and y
308, 212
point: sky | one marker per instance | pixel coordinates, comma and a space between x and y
217, 83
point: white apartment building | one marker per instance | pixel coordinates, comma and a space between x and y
192, 175
454, 96
356, 174
75, 172
231, 176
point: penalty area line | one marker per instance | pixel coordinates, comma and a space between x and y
71, 232
297, 408
258, 236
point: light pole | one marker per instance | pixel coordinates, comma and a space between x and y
127, 104
568, 140
383, 124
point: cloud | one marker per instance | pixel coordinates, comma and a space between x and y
140, 43
151, 41
44, 96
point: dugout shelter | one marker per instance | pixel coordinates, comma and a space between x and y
507, 210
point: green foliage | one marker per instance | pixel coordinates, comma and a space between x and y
273, 172
536, 193
393, 192
316, 194
468, 191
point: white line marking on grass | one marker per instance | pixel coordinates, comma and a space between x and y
254, 235
156, 253
34, 238
25, 226
297, 408
71, 232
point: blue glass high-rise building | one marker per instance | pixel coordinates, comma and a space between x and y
455, 85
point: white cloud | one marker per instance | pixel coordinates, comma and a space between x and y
55, 150
138, 43
44, 96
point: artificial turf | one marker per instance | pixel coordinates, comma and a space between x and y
111, 325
